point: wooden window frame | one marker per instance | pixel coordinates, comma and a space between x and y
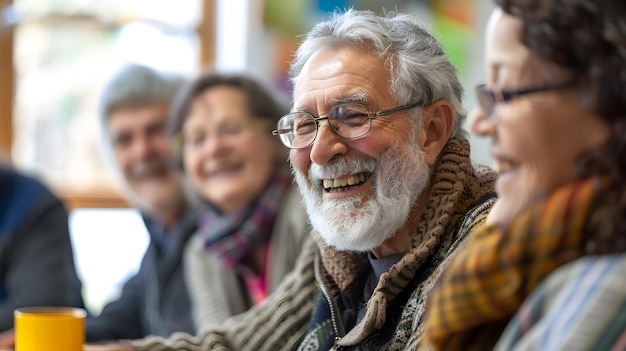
87, 198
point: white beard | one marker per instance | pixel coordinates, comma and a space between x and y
352, 224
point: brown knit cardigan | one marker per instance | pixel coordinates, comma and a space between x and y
461, 196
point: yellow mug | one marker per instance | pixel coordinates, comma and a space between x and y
49, 328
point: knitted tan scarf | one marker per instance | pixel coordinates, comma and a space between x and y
455, 185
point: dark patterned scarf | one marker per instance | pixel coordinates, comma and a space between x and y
234, 236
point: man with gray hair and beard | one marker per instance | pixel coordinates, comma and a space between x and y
382, 161
134, 108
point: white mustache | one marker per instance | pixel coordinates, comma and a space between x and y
340, 167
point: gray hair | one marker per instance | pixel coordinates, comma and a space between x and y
136, 86
419, 67
133, 86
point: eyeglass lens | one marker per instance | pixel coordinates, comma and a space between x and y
299, 129
486, 98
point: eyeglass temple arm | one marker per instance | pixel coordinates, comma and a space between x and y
282, 131
398, 108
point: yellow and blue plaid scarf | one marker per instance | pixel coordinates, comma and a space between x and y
488, 281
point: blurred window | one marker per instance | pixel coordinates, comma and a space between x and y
108, 247
64, 52
55, 58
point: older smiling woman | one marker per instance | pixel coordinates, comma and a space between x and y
252, 226
554, 110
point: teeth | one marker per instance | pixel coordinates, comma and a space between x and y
502, 167
337, 184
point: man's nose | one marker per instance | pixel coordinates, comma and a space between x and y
327, 144
142, 147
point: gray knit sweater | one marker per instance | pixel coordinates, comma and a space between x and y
216, 292
461, 196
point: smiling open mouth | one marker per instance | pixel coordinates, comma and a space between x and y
337, 185
503, 167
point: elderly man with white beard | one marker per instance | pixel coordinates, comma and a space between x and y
383, 164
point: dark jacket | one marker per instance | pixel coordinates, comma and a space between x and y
153, 302
36, 257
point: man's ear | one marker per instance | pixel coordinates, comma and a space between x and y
437, 124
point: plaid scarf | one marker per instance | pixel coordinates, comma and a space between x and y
488, 281
234, 236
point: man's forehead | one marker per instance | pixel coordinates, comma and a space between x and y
341, 59
137, 115
340, 74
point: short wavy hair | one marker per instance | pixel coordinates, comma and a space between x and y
262, 102
419, 67
134, 86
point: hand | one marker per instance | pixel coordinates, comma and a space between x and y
108, 347
7, 339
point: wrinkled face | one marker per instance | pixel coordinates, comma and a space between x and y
357, 192
536, 138
228, 154
143, 151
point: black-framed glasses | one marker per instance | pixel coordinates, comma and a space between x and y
350, 120
488, 98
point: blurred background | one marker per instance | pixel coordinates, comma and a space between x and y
55, 56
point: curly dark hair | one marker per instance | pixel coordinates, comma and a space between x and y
588, 37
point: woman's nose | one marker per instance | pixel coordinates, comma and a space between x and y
214, 144
479, 122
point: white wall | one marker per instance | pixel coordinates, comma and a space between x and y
478, 75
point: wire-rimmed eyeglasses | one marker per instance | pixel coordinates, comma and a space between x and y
488, 98
348, 120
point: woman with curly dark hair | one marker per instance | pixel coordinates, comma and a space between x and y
546, 272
